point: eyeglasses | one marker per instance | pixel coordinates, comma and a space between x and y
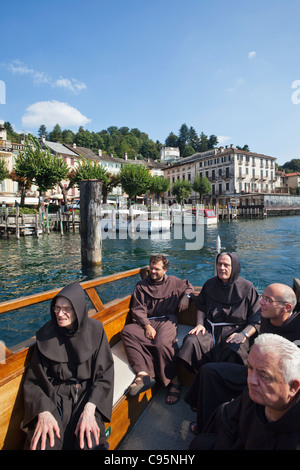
270, 301
63, 309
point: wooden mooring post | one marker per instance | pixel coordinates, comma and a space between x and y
90, 222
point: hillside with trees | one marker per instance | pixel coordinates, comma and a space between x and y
136, 143
120, 140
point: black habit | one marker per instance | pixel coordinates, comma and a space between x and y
243, 426
220, 382
68, 370
228, 308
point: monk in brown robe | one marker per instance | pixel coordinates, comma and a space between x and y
68, 389
150, 340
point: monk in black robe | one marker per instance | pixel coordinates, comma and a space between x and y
220, 382
228, 314
68, 389
150, 340
266, 416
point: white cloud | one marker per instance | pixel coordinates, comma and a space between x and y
238, 83
223, 138
251, 55
51, 113
70, 84
18, 67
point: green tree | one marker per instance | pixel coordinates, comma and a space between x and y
201, 185
56, 134
83, 138
183, 138
188, 151
182, 190
171, 140
135, 180
159, 185
44, 169
87, 170
42, 131
203, 143
292, 166
193, 139
212, 141
94, 170
68, 136
245, 148
24, 184
107, 186
4, 173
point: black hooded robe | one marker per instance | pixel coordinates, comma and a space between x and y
220, 382
242, 425
236, 303
67, 371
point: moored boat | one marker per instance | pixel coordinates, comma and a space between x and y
194, 216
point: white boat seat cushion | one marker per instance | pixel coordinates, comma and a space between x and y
124, 375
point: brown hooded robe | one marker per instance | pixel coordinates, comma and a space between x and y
155, 303
68, 370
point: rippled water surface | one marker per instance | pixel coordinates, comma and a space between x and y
268, 250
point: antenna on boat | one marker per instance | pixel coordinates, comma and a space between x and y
218, 249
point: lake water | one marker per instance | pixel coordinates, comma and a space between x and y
268, 250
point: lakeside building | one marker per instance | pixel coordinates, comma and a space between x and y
293, 180
169, 154
232, 173
9, 189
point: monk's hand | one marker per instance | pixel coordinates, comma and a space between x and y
150, 332
86, 425
237, 338
184, 303
46, 426
198, 328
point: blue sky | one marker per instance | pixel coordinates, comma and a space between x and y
224, 67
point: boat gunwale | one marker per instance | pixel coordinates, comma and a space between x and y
33, 299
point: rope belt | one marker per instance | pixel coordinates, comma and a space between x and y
159, 316
217, 324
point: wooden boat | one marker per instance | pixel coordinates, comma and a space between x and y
114, 315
